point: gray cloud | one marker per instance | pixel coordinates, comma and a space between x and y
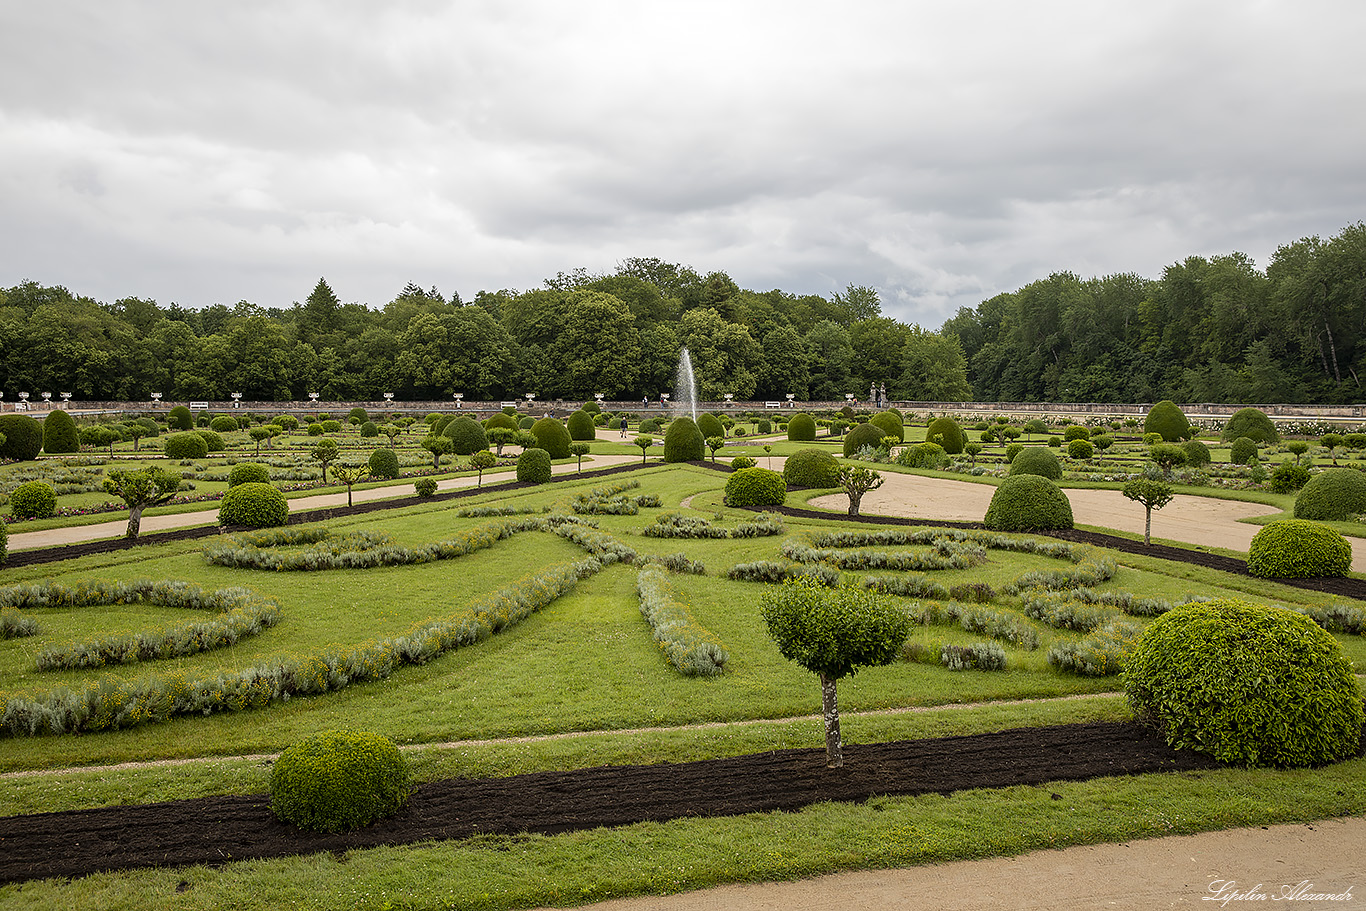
939, 152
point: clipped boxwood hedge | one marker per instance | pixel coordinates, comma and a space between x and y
811, 468
1025, 502
1251, 423
755, 487
1331, 495
33, 500
186, 445
1298, 549
551, 436
59, 434
581, 427
890, 422
948, 434
1036, 460
1248, 684
383, 463
533, 466
254, 506
335, 781
248, 473
683, 442
801, 428
856, 439
23, 437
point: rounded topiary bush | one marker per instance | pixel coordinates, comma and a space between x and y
1247, 684
1080, 449
33, 500
285, 421
1297, 549
552, 436
763, 425
1028, 501
811, 468
1289, 476
533, 466
1251, 423
248, 473
1197, 453
357, 415
59, 434
185, 445
710, 425
501, 419
335, 781
330, 426
1243, 450
924, 455
212, 440
649, 425
466, 435
425, 487
946, 432
1168, 420
369, 429
801, 428
755, 487
1076, 432
1332, 495
223, 424
1036, 460
23, 437
581, 427
683, 442
526, 423
315, 429
591, 407
742, 462
179, 418
860, 436
383, 463
890, 422
254, 506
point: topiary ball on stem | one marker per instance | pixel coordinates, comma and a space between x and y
1298, 549
1247, 684
1026, 502
336, 781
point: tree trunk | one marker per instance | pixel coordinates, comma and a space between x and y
134, 522
830, 708
1337, 374
1147, 526
854, 501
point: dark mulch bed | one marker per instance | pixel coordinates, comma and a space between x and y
219, 829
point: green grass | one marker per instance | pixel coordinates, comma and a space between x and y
584, 680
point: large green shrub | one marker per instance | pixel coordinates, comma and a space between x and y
811, 468
1197, 453
1250, 423
179, 418
357, 416
1170, 421
335, 781
254, 506
526, 422
1247, 684
1243, 450
533, 466
1076, 432
285, 421
1026, 502
59, 434
860, 436
23, 437
466, 435
710, 425
1036, 460
212, 440
683, 442
1296, 549
924, 455
331, 426
1080, 449
552, 436
33, 500
755, 487
801, 428
369, 429
223, 424
581, 427
501, 419
248, 473
890, 422
946, 432
383, 463
1334, 494
1289, 476
186, 445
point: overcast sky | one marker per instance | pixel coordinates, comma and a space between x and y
940, 152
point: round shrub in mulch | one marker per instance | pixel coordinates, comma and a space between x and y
23, 437
755, 487
1243, 450
811, 468
254, 506
248, 473
533, 466
1332, 495
1036, 460
551, 436
683, 441
1298, 549
1025, 502
383, 463
336, 781
946, 432
1248, 684
1252, 424
801, 428
33, 500
860, 436
185, 445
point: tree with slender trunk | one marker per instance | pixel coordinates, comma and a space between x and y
392, 431
579, 450
856, 481
833, 633
481, 460
715, 444
140, 490
438, 446
644, 442
259, 435
325, 451
349, 474
1153, 495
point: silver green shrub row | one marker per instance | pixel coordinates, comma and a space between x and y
675, 525
1101, 654
944, 553
980, 656
998, 624
912, 536
14, 625
689, 647
773, 572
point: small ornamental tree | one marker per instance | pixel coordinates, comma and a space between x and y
833, 633
1153, 495
715, 444
140, 490
1299, 448
1035, 425
644, 442
856, 481
500, 437
392, 431
481, 460
578, 451
1167, 456
1331, 441
349, 473
259, 435
438, 446
326, 452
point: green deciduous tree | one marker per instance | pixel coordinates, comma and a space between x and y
140, 490
856, 481
1153, 495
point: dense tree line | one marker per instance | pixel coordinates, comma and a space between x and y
1208, 330
580, 334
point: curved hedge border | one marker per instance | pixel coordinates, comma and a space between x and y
676, 525
944, 554
689, 646
241, 613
